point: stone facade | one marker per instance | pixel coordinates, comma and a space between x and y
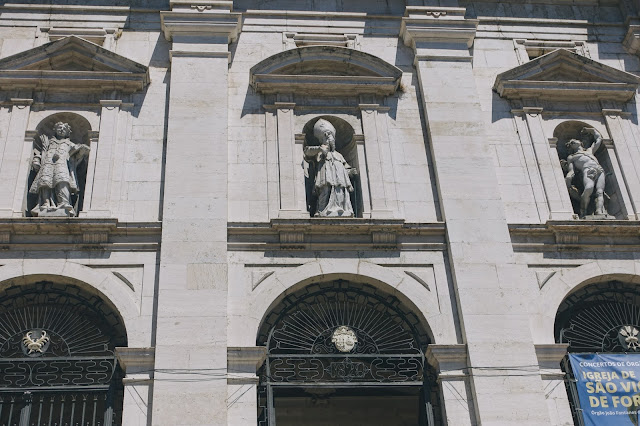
194, 218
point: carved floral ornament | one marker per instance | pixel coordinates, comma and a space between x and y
628, 336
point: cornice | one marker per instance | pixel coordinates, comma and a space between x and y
345, 234
577, 235
33, 233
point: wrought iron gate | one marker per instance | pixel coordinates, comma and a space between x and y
342, 335
57, 364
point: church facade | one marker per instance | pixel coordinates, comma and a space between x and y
312, 213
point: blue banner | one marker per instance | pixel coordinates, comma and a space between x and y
608, 388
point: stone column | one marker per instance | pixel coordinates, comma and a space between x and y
450, 363
554, 185
242, 399
492, 290
98, 205
364, 176
628, 158
13, 159
549, 358
94, 138
191, 359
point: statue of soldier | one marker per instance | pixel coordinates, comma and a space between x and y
56, 178
582, 161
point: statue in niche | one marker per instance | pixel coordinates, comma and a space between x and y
581, 163
332, 183
56, 167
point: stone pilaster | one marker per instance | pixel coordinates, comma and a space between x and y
98, 204
242, 400
549, 358
191, 361
137, 364
13, 160
492, 290
628, 157
451, 365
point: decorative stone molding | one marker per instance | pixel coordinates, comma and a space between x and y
94, 35
291, 239
325, 71
531, 49
294, 40
450, 361
72, 63
93, 238
434, 32
243, 362
566, 76
384, 239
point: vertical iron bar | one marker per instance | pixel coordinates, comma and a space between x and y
61, 409
73, 408
51, 402
271, 412
95, 408
40, 410
84, 407
13, 400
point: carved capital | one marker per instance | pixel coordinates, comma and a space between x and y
450, 361
431, 31
549, 358
134, 360
631, 40
206, 23
243, 362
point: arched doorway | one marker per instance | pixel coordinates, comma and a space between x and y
347, 354
57, 362
598, 318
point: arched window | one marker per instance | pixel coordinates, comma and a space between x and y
344, 353
598, 318
57, 362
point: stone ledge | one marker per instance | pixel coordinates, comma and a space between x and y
34, 233
584, 235
136, 360
335, 234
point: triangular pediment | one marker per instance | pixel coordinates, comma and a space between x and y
72, 63
565, 75
325, 71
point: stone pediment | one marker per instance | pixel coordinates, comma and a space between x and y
72, 64
325, 71
564, 75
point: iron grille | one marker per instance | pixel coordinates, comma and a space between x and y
342, 334
57, 362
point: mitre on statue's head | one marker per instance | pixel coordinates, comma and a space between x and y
321, 127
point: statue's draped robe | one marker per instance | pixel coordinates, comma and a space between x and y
332, 184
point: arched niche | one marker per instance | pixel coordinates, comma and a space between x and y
77, 166
614, 201
345, 145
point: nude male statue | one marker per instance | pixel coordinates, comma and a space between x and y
582, 160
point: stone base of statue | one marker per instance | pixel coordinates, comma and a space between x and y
605, 216
65, 211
